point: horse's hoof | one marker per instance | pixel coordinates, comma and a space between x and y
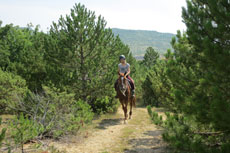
125, 121
130, 117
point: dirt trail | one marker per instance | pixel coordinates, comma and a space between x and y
111, 135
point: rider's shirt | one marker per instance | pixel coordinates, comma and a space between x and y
123, 68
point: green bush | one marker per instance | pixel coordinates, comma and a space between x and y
48, 114
104, 105
23, 129
12, 89
185, 135
58, 112
2, 133
154, 116
83, 111
71, 122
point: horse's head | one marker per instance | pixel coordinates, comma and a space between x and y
122, 83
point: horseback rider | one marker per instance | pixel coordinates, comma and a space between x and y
124, 68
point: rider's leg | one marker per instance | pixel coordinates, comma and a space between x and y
132, 85
131, 82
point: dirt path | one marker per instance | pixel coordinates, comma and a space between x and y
111, 135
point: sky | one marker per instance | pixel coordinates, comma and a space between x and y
157, 15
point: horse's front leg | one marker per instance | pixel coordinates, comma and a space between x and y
131, 107
125, 112
123, 107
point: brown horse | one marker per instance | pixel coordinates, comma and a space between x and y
124, 95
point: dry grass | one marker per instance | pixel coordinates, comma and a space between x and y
108, 134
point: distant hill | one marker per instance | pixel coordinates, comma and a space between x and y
139, 40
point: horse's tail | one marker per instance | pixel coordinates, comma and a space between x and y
133, 101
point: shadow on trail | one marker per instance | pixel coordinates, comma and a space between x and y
105, 123
152, 144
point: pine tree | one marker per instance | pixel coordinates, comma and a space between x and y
199, 72
157, 85
83, 54
21, 52
150, 57
209, 33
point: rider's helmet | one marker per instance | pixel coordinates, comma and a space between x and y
121, 57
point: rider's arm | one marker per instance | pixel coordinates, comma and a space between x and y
128, 72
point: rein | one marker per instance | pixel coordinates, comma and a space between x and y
123, 85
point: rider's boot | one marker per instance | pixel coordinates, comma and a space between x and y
133, 93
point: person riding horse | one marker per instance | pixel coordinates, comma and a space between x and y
124, 68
